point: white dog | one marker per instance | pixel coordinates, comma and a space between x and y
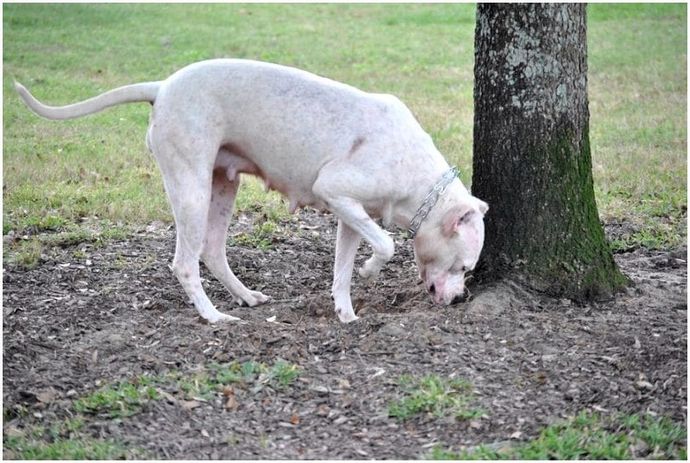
320, 143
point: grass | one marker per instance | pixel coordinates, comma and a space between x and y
57, 173
26, 251
127, 398
21, 448
435, 396
261, 236
592, 437
119, 400
69, 438
637, 85
61, 441
250, 374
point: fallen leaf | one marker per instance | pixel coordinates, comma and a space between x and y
189, 404
294, 419
323, 410
46, 396
639, 448
645, 385
167, 396
13, 431
231, 403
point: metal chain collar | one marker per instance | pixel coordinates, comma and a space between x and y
431, 199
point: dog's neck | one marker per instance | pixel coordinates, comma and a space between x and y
431, 199
407, 209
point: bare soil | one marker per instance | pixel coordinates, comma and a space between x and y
90, 315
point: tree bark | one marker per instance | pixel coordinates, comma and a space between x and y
532, 160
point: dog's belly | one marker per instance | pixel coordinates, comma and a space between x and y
295, 184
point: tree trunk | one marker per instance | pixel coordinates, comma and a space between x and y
532, 160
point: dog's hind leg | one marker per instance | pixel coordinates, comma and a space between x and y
220, 211
187, 175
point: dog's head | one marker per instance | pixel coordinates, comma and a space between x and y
449, 246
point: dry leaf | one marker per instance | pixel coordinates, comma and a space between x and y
294, 419
46, 396
167, 396
323, 410
231, 403
189, 404
645, 385
13, 431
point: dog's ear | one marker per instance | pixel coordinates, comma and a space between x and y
454, 219
481, 205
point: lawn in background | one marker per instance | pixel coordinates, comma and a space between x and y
96, 170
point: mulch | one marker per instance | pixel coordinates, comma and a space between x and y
112, 312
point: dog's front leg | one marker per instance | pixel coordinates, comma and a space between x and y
335, 187
347, 242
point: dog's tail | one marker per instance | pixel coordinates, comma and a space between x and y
145, 91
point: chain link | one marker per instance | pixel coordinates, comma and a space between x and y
431, 199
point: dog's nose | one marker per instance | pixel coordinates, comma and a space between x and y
432, 289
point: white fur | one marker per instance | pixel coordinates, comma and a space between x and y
319, 142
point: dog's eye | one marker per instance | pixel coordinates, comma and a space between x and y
458, 268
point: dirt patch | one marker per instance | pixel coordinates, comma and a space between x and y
91, 315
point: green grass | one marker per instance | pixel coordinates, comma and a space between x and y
637, 86
435, 396
69, 439
61, 441
249, 375
592, 437
18, 448
26, 251
128, 398
261, 236
119, 400
57, 173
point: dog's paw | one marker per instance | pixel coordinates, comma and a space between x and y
253, 299
346, 316
370, 270
258, 298
221, 318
